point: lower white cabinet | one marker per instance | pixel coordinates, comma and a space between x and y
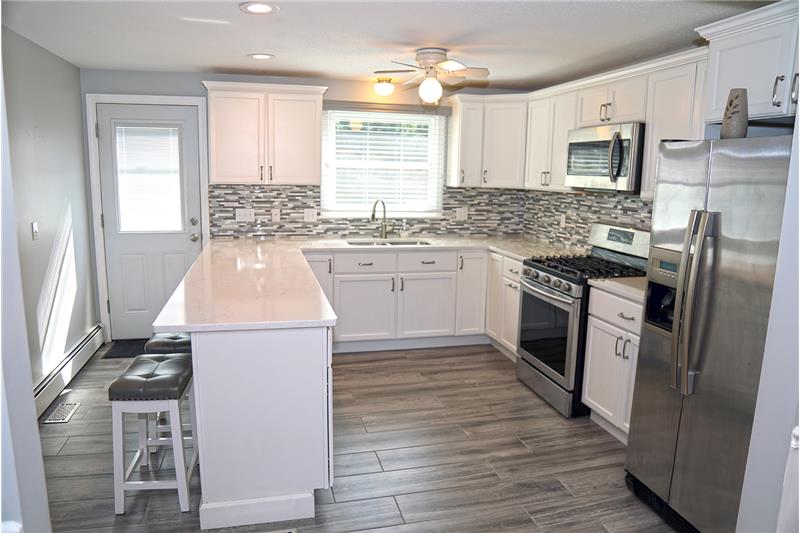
426, 304
494, 296
365, 305
322, 266
470, 293
609, 368
509, 332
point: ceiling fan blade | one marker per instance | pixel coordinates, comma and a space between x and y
450, 80
392, 71
416, 79
415, 67
451, 65
471, 72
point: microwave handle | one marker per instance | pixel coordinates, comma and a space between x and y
612, 174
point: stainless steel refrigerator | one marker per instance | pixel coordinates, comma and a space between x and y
716, 223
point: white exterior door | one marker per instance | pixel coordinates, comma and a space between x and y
426, 304
150, 185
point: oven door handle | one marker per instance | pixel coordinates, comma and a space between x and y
546, 294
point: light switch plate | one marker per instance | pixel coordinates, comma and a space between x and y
245, 215
563, 221
462, 213
275, 214
309, 215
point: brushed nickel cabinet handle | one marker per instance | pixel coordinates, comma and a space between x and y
623, 316
624, 345
602, 107
794, 88
270, 173
484, 176
461, 262
330, 266
541, 178
365, 264
607, 117
775, 101
462, 175
402, 284
428, 262
261, 172
616, 347
392, 284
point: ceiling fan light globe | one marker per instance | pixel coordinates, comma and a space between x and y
430, 90
383, 87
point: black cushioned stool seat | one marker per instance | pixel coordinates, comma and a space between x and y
169, 343
153, 377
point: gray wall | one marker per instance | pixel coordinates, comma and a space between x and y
45, 129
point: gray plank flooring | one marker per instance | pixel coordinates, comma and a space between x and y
425, 441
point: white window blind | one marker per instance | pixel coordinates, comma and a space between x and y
398, 157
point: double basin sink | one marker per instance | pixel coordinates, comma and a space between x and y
382, 242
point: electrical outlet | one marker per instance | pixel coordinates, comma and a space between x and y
462, 213
309, 215
563, 221
245, 215
275, 214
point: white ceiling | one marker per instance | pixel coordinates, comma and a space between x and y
526, 45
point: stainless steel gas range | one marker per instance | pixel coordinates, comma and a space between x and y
554, 307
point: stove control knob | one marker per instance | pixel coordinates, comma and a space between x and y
556, 283
546, 278
567, 287
535, 274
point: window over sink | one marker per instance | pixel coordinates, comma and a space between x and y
398, 157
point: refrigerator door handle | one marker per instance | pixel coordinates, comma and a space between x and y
694, 216
688, 312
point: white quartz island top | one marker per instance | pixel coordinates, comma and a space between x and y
246, 284
630, 288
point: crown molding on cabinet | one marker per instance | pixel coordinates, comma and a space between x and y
673, 60
750, 20
482, 98
264, 87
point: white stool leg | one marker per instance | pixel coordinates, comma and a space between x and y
193, 419
143, 427
118, 443
177, 450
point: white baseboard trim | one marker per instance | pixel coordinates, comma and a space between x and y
50, 387
609, 427
503, 350
408, 344
256, 510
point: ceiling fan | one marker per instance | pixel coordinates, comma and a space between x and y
434, 68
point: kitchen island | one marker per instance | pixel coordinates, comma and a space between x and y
261, 329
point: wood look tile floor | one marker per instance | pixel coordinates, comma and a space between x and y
439, 440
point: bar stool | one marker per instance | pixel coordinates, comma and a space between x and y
152, 383
164, 343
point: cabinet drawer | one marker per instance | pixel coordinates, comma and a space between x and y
618, 311
365, 263
511, 268
432, 261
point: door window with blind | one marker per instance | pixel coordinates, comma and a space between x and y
397, 157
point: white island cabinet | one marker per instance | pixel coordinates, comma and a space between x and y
261, 359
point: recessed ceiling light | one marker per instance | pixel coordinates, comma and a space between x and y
256, 8
260, 56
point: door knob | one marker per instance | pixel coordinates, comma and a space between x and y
194, 237
193, 221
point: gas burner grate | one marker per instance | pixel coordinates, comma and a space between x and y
586, 266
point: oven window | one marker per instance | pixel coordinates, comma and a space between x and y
544, 331
591, 158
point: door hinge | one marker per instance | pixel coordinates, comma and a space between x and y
97, 129
108, 306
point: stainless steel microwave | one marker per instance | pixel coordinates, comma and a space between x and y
606, 157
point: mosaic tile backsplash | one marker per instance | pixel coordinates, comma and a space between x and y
495, 212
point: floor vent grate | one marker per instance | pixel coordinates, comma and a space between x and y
62, 413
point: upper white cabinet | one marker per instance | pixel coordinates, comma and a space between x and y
549, 123
757, 51
465, 143
260, 133
487, 141
674, 98
236, 136
470, 293
624, 100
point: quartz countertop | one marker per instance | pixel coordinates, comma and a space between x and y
246, 284
630, 288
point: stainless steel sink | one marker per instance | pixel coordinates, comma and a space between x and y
409, 243
367, 243
395, 242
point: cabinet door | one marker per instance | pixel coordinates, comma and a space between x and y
295, 145
630, 353
494, 296
510, 327
753, 60
589, 104
365, 306
471, 293
540, 126
602, 371
322, 266
794, 87
564, 119
670, 115
504, 144
466, 145
236, 136
628, 100
426, 304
